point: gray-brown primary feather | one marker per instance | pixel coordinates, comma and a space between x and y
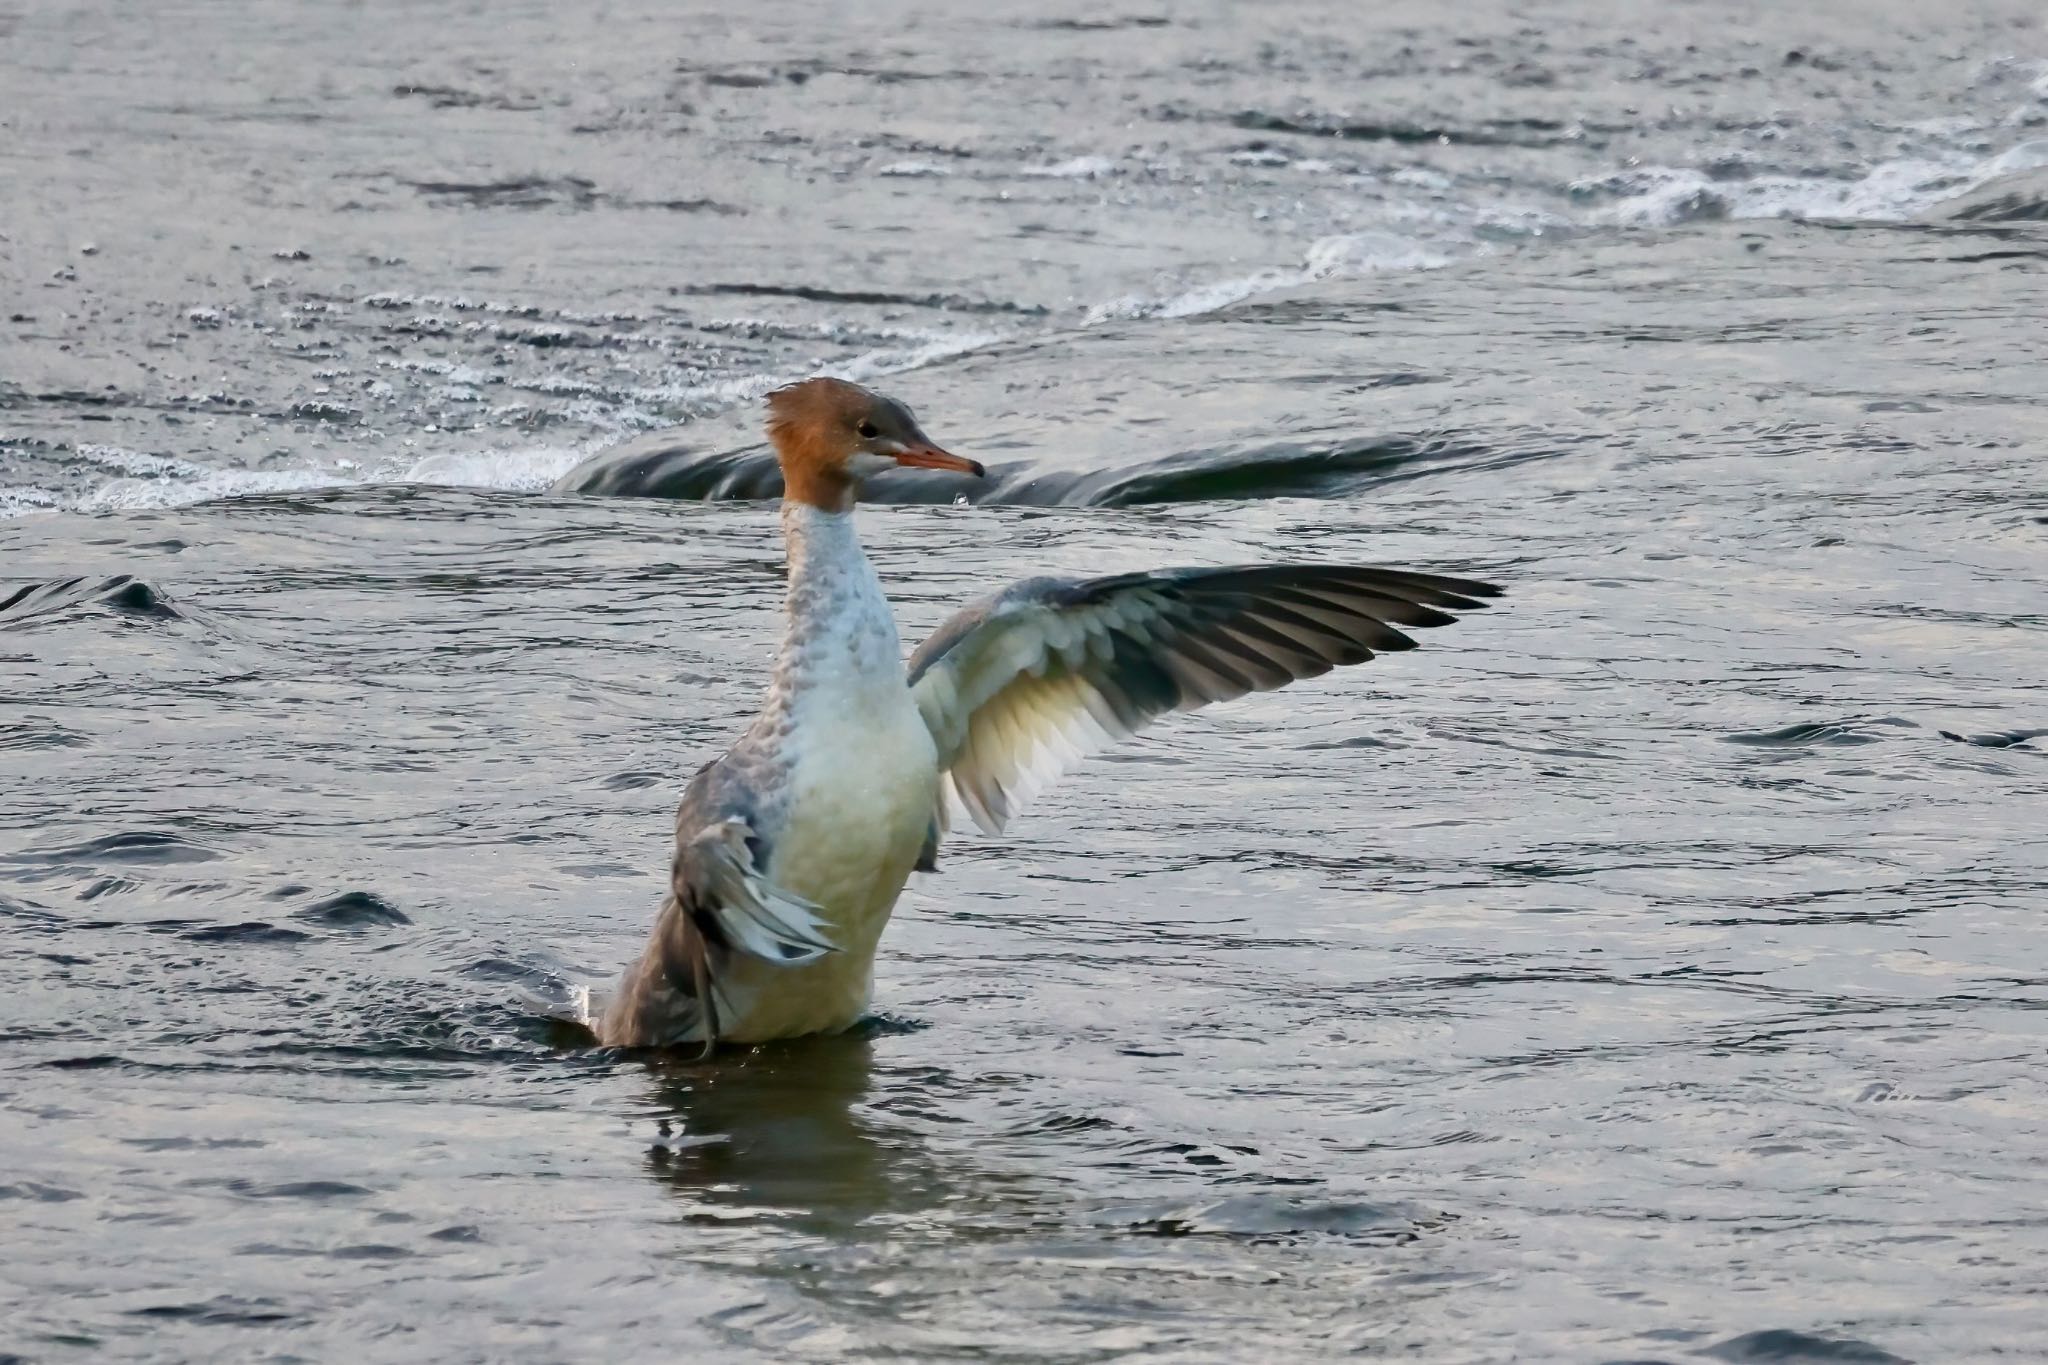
1021, 684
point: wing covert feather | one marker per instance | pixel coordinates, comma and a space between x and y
1019, 686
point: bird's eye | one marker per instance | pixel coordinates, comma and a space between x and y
868, 430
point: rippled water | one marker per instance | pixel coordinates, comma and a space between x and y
1646, 968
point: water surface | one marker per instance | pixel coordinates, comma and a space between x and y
1648, 967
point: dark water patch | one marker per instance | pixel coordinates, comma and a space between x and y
545, 337
1104, 24
711, 206
2017, 198
1228, 474
2007, 739
109, 397
1503, 132
560, 1033
742, 80
601, 870
1798, 1348
185, 1144
136, 598
1814, 734
505, 969
1354, 742
352, 912
2033, 253
216, 890
1272, 1216
670, 471
1203, 1155
29, 914
258, 932
37, 733
405, 1053
519, 192
951, 303
1070, 1123
370, 1251
122, 593
36, 1192
315, 1190
634, 781
752, 76
456, 97
224, 1311
886, 1024
321, 410
1281, 470
143, 847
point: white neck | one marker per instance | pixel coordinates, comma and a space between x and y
841, 633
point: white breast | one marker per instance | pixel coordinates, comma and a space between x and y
862, 794
862, 780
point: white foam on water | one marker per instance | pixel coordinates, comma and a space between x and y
205, 485
1890, 191
1352, 254
1344, 256
730, 391
914, 169
20, 502
135, 463
1418, 236
155, 481
2028, 156
895, 361
515, 471
1074, 168
159, 483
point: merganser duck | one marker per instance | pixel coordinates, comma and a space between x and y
792, 849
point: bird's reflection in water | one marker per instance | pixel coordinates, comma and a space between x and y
786, 1130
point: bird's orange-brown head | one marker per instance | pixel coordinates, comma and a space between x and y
831, 435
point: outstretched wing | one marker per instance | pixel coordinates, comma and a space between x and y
720, 902
1019, 686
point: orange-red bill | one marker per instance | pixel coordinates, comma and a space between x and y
931, 457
